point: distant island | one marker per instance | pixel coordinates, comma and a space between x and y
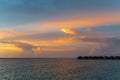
98, 57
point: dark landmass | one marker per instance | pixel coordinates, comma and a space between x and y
98, 57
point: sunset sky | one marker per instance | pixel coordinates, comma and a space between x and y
59, 28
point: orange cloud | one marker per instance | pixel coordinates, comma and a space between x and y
10, 33
68, 31
9, 48
6, 33
95, 20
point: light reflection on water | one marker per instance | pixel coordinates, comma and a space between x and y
58, 69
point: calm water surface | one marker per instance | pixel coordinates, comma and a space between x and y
59, 69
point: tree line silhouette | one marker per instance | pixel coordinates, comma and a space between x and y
99, 57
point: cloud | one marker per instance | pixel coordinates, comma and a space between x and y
106, 46
85, 21
89, 32
28, 49
101, 43
68, 31
7, 33
33, 35
76, 41
21, 12
34, 25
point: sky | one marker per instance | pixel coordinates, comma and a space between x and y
59, 28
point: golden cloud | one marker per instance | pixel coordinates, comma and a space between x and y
68, 31
90, 21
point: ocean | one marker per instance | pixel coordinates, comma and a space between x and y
59, 69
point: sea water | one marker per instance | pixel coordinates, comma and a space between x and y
59, 69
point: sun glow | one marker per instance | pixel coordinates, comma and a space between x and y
9, 48
68, 31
